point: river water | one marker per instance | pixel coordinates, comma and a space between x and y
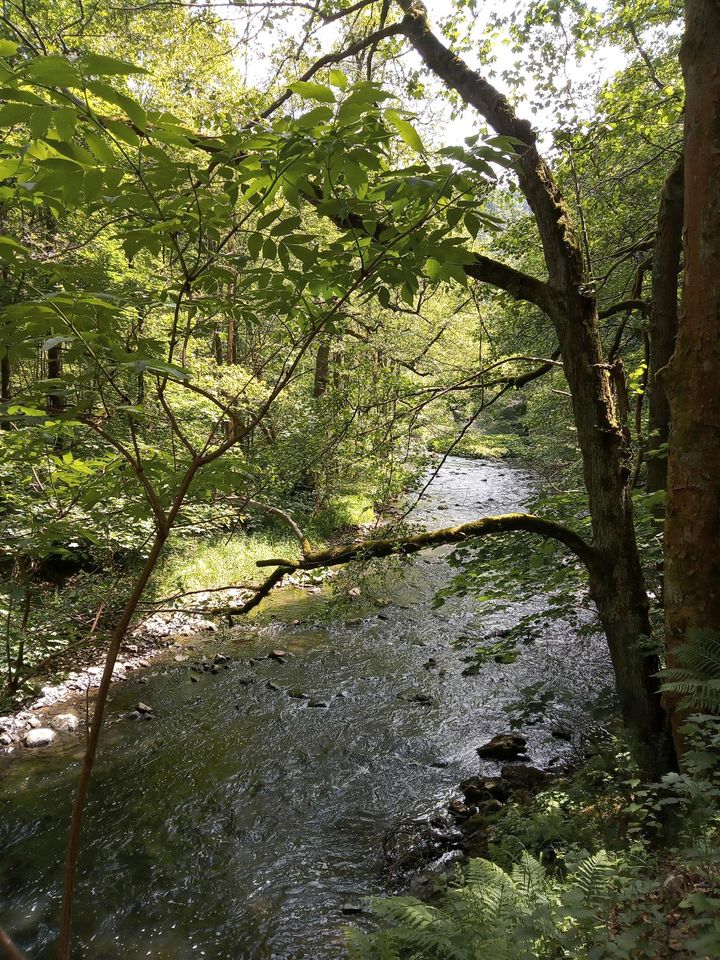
238, 822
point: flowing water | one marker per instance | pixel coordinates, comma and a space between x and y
238, 822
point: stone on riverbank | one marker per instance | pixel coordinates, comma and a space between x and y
505, 746
65, 722
39, 737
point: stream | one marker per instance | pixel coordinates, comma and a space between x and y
240, 821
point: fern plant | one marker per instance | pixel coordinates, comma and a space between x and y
492, 914
696, 678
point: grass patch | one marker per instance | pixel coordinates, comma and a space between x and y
208, 564
477, 446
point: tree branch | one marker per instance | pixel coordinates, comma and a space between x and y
8, 948
621, 305
505, 523
305, 544
372, 40
519, 285
563, 255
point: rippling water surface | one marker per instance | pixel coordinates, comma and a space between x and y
238, 822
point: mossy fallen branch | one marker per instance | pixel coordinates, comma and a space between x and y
402, 546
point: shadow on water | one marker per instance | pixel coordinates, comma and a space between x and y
237, 822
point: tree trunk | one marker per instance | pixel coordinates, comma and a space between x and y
692, 523
663, 321
5, 387
56, 399
619, 590
230, 341
322, 368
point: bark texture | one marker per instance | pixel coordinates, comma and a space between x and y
663, 321
692, 524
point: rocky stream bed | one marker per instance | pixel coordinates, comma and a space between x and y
256, 783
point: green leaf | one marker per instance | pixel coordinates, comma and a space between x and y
8, 48
383, 296
123, 132
407, 131
93, 183
99, 148
131, 107
95, 64
433, 268
254, 244
313, 91
64, 120
338, 79
54, 70
40, 120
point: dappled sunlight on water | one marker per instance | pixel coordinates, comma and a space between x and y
238, 822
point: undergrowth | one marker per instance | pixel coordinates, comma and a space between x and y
598, 867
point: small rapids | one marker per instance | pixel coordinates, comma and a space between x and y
241, 821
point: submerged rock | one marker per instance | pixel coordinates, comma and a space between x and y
352, 908
298, 694
416, 696
505, 746
39, 737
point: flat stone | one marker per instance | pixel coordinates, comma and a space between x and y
277, 655
144, 708
40, 737
354, 622
298, 694
318, 703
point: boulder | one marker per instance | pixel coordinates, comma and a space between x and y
39, 737
480, 789
505, 746
65, 722
521, 776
